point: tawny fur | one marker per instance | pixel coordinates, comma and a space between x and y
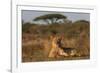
58, 50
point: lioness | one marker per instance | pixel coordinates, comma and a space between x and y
58, 50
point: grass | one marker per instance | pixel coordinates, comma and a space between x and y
36, 42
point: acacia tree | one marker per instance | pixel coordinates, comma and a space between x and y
51, 18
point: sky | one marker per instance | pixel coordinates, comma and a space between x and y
29, 15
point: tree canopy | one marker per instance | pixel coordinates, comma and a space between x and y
51, 18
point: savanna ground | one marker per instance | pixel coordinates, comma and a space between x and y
36, 42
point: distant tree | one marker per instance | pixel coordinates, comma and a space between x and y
51, 18
82, 21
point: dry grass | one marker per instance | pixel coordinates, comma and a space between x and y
36, 42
